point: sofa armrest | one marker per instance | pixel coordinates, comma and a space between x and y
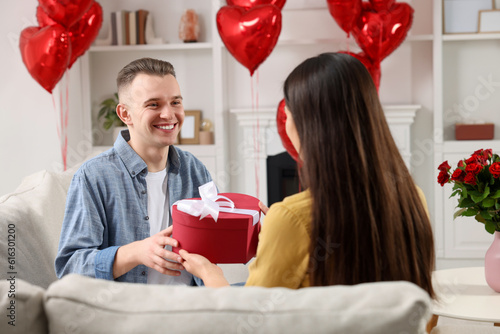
22, 307
31, 225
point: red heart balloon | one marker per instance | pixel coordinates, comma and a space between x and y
381, 5
372, 66
83, 32
252, 3
251, 35
65, 12
45, 52
345, 12
285, 140
43, 18
378, 34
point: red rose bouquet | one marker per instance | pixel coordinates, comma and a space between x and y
476, 182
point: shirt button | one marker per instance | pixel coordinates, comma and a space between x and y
143, 192
143, 273
147, 217
133, 173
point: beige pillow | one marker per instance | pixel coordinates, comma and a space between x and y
86, 305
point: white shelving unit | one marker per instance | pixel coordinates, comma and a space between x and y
466, 87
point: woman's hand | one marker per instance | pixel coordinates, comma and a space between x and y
199, 266
263, 207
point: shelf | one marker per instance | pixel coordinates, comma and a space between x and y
151, 47
471, 37
459, 146
419, 38
284, 42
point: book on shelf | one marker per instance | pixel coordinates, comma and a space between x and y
132, 27
142, 15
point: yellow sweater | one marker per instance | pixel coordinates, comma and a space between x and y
283, 251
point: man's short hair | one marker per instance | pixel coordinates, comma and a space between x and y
149, 66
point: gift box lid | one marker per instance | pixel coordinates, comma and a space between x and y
226, 220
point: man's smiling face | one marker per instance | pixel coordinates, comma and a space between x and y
154, 110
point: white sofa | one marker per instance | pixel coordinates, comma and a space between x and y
31, 220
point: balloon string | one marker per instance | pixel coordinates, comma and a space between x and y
257, 167
55, 111
62, 124
255, 133
66, 116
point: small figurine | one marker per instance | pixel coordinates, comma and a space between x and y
206, 133
189, 28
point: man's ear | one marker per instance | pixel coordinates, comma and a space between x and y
123, 113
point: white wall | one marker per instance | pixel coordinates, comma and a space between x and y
28, 134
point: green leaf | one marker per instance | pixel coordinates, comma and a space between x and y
488, 202
102, 111
454, 193
469, 212
458, 213
490, 226
480, 218
496, 194
107, 124
478, 197
497, 206
465, 202
475, 193
486, 215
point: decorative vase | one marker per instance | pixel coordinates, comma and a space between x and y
189, 27
492, 263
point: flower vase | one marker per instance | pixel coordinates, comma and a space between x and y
492, 263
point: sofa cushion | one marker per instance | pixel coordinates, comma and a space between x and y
80, 304
22, 307
31, 223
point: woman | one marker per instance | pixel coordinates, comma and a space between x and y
362, 218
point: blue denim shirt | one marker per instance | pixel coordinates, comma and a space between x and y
106, 208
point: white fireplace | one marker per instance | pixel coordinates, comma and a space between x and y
262, 140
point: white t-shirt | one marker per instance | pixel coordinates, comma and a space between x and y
159, 215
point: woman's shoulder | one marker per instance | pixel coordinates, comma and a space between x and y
300, 199
298, 205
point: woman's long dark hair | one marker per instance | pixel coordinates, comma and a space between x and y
368, 221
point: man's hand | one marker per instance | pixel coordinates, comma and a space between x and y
154, 255
201, 267
150, 252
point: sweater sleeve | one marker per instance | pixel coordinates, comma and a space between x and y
283, 250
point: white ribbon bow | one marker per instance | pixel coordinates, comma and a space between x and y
209, 204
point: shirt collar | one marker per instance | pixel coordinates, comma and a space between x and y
134, 163
174, 160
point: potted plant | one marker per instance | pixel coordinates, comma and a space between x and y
111, 119
476, 182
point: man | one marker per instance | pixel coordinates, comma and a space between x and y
117, 219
